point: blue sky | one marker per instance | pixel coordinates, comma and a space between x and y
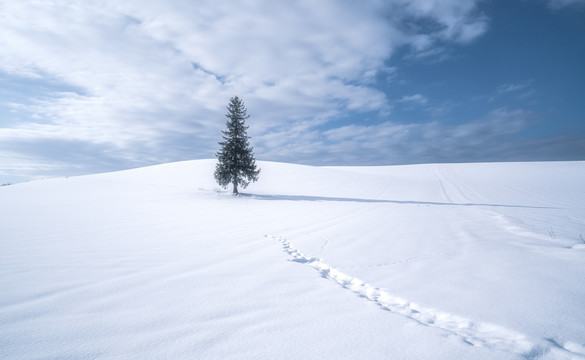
93, 86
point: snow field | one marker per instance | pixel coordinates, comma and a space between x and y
472, 333
470, 261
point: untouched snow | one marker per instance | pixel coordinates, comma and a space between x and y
450, 261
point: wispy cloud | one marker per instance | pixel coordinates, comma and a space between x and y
507, 88
490, 138
416, 98
521, 90
558, 4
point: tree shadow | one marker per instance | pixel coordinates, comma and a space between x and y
401, 202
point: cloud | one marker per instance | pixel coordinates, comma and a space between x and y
147, 81
559, 4
416, 98
507, 88
431, 25
515, 91
486, 139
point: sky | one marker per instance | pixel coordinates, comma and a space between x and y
95, 86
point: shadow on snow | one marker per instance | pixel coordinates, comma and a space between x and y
403, 202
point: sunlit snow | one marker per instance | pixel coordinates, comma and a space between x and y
440, 261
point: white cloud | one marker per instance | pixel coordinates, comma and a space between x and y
447, 20
393, 143
507, 88
520, 90
137, 76
416, 98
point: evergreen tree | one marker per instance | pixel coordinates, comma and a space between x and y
236, 163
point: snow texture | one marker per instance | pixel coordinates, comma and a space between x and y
466, 261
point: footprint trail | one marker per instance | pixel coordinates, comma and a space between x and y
472, 332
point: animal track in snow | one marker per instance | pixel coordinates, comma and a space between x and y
472, 332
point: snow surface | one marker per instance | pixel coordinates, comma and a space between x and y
450, 261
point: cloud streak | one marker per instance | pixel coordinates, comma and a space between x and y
392, 143
559, 4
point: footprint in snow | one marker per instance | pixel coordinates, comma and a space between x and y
471, 332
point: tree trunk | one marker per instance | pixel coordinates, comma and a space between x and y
235, 188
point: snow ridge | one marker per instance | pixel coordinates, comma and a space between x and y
472, 332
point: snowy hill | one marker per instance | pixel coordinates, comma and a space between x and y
451, 261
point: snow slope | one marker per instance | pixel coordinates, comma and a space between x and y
451, 261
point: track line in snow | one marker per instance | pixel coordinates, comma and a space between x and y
455, 188
402, 261
326, 242
472, 332
434, 171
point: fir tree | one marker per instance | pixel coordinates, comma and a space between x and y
236, 163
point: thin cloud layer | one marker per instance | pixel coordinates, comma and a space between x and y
558, 4
393, 143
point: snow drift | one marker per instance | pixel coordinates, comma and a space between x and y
478, 261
